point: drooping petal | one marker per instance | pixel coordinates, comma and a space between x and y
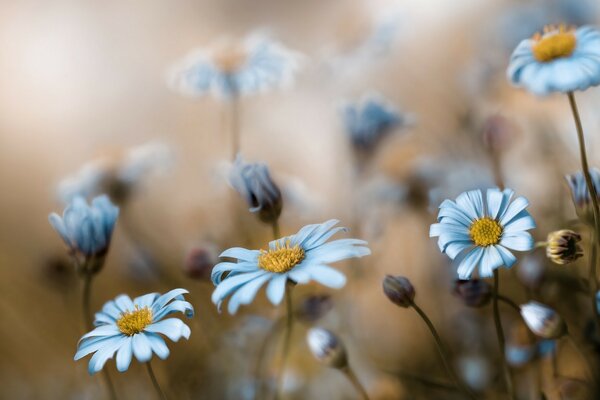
124, 355
172, 328
158, 345
246, 293
141, 347
276, 289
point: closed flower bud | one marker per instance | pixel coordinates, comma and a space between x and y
253, 182
563, 246
200, 262
399, 290
327, 348
543, 321
473, 292
314, 307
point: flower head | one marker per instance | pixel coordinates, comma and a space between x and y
253, 182
560, 59
563, 246
371, 119
543, 321
229, 69
399, 290
581, 195
482, 232
87, 229
299, 258
327, 347
134, 328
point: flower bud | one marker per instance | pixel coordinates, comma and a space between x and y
327, 348
543, 321
314, 307
563, 246
580, 194
253, 182
200, 262
399, 290
473, 292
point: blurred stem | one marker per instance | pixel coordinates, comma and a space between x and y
438, 341
593, 285
235, 126
262, 351
159, 391
349, 372
289, 323
508, 301
497, 169
276, 231
581, 354
500, 335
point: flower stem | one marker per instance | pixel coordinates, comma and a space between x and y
276, 231
581, 354
500, 335
592, 277
159, 391
438, 341
349, 372
289, 323
235, 127
262, 351
508, 301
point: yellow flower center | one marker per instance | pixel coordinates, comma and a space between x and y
556, 42
485, 232
281, 259
132, 322
229, 58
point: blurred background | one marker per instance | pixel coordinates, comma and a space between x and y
86, 81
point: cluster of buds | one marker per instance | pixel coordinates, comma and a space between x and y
563, 246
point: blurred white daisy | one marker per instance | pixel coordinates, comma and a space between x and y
134, 328
299, 258
231, 69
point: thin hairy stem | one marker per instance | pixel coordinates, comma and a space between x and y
289, 323
159, 391
442, 351
349, 372
500, 335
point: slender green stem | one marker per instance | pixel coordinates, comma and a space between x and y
159, 391
581, 354
349, 372
276, 231
235, 126
442, 351
289, 323
500, 335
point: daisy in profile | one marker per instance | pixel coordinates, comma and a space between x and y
480, 232
561, 59
298, 258
231, 69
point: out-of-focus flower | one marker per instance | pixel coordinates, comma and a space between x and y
253, 182
563, 246
58, 272
479, 233
559, 60
580, 194
229, 69
200, 262
119, 176
498, 133
298, 258
87, 229
314, 307
133, 328
370, 120
598, 301
327, 347
543, 321
476, 371
521, 347
532, 270
399, 290
546, 347
473, 292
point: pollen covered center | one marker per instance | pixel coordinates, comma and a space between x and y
485, 232
556, 42
281, 259
132, 322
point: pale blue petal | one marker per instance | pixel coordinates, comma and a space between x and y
158, 345
490, 261
227, 286
518, 205
242, 254
327, 276
276, 289
145, 300
471, 203
172, 328
124, 355
93, 344
124, 303
232, 268
166, 298
173, 307
104, 354
104, 330
507, 257
521, 241
522, 222
141, 347
246, 293
468, 264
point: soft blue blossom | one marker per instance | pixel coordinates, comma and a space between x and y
560, 60
253, 182
479, 233
299, 258
134, 328
369, 120
87, 229
228, 70
580, 193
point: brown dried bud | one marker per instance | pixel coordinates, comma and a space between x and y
563, 246
200, 262
399, 290
473, 292
314, 307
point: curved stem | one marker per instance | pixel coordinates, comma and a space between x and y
442, 351
159, 391
500, 335
349, 372
508, 301
289, 322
